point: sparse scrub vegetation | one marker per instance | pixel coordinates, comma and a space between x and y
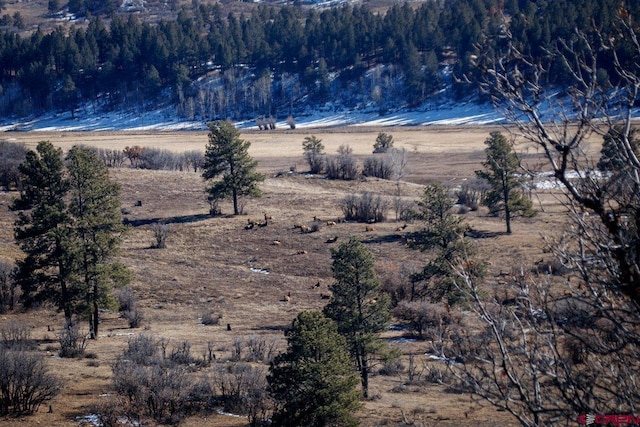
364, 208
73, 341
343, 165
25, 382
160, 234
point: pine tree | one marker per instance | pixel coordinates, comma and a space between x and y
98, 229
501, 171
312, 382
443, 234
357, 305
227, 156
43, 231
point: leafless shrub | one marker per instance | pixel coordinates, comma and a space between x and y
181, 353
16, 336
128, 306
426, 319
242, 389
236, 349
194, 159
160, 233
343, 166
291, 122
143, 350
470, 195
73, 341
25, 382
259, 349
392, 367
365, 208
378, 167
110, 157
158, 159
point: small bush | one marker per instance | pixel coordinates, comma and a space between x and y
384, 143
194, 159
365, 208
134, 317
470, 195
158, 159
160, 233
392, 367
17, 336
378, 167
72, 341
25, 382
128, 306
242, 390
143, 350
343, 166
425, 319
181, 354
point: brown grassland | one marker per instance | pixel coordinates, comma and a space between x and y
207, 262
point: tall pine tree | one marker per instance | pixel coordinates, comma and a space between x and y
44, 232
502, 172
357, 305
227, 156
98, 229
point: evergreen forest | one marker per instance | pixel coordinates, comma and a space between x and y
274, 60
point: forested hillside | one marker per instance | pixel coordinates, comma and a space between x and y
274, 60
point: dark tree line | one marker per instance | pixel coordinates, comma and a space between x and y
121, 61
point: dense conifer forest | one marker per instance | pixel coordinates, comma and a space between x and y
211, 63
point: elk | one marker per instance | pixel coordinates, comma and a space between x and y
332, 239
369, 228
287, 297
331, 223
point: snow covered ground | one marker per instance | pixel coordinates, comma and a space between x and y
166, 119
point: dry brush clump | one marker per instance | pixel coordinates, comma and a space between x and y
167, 383
25, 380
364, 208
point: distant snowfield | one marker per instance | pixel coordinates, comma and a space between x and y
167, 120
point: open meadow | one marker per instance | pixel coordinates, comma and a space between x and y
213, 264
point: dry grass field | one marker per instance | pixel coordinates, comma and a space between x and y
215, 264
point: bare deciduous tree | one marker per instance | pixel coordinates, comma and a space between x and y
557, 349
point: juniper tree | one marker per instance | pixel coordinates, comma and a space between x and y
312, 382
227, 157
502, 172
357, 305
